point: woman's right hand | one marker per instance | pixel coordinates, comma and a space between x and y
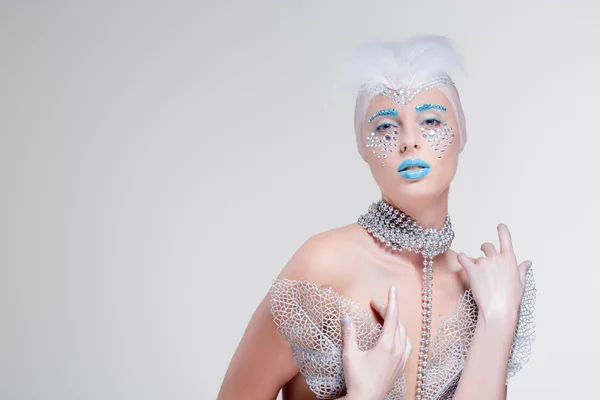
372, 374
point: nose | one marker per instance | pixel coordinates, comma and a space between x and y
409, 140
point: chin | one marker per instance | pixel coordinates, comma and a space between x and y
418, 190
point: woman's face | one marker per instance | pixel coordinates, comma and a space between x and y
412, 150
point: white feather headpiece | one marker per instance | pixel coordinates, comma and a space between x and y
401, 70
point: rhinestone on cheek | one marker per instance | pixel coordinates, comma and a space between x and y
382, 146
438, 137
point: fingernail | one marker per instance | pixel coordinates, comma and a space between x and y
528, 265
394, 288
346, 319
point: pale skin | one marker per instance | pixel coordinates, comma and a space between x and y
353, 263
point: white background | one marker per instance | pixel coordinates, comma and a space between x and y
160, 163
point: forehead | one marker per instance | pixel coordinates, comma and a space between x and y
434, 96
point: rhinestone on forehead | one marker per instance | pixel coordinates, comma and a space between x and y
403, 96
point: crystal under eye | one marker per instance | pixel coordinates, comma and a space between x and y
382, 145
438, 136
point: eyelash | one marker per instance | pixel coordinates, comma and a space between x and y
388, 124
428, 120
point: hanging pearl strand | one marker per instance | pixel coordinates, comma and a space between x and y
426, 324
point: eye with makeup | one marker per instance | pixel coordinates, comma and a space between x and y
385, 127
431, 123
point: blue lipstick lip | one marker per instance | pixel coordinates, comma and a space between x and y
413, 173
412, 162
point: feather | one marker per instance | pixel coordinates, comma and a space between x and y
406, 64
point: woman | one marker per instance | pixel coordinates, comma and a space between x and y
322, 333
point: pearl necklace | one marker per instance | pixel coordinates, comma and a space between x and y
400, 232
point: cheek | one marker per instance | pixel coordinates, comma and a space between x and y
439, 138
385, 176
446, 167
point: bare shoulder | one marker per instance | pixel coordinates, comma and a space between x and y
327, 258
455, 267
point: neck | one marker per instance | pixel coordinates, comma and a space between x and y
429, 213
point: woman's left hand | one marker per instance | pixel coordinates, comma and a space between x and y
497, 282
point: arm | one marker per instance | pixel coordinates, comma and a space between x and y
498, 286
262, 363
484, 374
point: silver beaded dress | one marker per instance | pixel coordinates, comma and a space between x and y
308, 318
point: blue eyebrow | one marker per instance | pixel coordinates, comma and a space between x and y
428, 106
389, 111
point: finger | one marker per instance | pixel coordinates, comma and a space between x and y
401, 336
488, 249
465, 261
390, 324
523, 269
379, 307
407, 350
506, 246
349, 342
